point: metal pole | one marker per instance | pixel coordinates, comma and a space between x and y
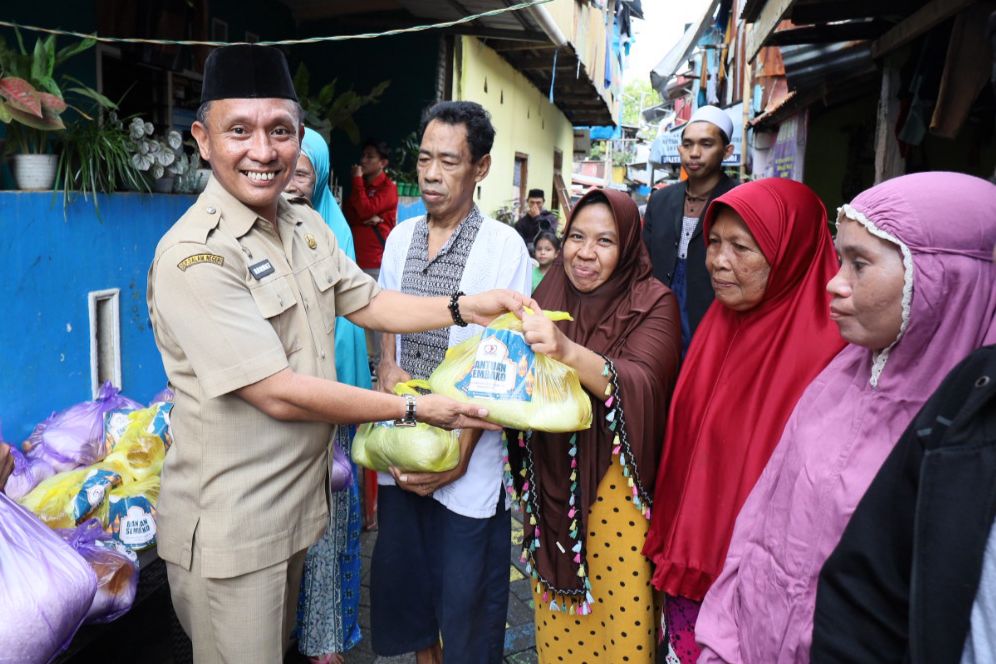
744, 143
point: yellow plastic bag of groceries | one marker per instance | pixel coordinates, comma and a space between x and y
52, 500
521, 389
137, 445
421, 448
130, 513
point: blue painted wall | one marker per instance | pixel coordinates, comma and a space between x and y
49, 265
409, 208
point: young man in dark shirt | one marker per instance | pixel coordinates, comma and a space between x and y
536, 219
672, 228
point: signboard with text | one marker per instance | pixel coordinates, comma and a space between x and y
788, 154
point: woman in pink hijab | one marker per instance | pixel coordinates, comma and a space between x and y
916, 292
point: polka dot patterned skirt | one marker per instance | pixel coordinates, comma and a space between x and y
621, 626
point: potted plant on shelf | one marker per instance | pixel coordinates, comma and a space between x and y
32, 104
161, 159
96, 158
507, 213
403, 169
29, 116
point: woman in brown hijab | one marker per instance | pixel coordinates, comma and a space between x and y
587, 495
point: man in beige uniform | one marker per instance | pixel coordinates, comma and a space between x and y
243, 295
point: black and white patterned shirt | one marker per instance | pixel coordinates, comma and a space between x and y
481, 255
422, 352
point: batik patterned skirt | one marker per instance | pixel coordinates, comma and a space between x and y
328, 608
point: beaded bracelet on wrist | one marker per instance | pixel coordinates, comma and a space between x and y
454, 308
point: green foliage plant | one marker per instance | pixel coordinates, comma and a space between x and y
31, 101
96, 157
403, 167
507, 213
636, 96
326, 110
156, 156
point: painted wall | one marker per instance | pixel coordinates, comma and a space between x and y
410, 207
51, 264
524, 119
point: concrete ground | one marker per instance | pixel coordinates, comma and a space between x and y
520, 646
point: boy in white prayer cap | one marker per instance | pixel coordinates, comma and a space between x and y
672, 227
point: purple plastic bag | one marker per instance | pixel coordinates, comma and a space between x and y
46, 588
75, 436
27, 474
164, 395
114, 564
340, 470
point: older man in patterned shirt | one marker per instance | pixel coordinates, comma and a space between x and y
440, 566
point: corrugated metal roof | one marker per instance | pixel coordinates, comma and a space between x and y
815, 71
677, 56
808, 65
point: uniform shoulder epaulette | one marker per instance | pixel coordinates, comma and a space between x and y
196, 223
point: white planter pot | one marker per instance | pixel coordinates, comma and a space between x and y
35, 172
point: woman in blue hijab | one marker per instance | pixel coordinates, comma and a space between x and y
351, 365
328, 621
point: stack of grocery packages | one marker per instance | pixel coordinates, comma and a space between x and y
78, 506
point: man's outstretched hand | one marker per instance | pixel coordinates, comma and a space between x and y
484, 307
445, 413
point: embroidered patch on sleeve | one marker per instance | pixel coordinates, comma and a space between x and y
200, 258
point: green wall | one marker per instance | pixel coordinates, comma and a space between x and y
840, 151
269, 19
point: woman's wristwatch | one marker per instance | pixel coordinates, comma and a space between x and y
408, 420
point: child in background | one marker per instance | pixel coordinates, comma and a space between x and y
547, 248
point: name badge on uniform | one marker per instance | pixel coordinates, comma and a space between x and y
261, 269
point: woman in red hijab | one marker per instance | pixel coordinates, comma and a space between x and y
588, 494
766, 336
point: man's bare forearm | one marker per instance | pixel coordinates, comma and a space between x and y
388, 348
292, 396
391, 311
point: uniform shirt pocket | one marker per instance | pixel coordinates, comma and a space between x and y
325, 273
277, 302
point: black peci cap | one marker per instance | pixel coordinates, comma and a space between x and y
247, 71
